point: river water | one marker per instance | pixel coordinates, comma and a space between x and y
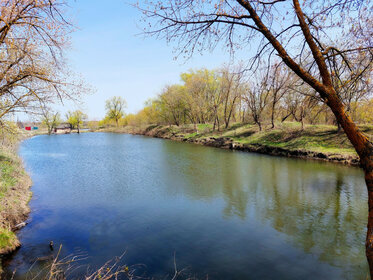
217, 213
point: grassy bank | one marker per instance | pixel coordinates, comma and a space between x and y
14, 197
314, 141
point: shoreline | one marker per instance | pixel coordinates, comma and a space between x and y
14, 210
14, 206
224, 142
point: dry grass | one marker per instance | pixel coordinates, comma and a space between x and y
14, 197
62, 268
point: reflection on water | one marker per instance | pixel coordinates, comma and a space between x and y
228, 215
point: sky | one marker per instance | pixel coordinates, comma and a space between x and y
115, 59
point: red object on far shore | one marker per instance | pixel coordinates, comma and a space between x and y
28, 127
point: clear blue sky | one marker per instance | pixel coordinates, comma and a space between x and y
115, 62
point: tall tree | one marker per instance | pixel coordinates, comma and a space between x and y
277, 81
232, 90
201, 87
76, 119
115, 108
51, 120
289, 29
257, 96
172, 102
33, 34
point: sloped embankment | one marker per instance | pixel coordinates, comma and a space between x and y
315, 142
14, 197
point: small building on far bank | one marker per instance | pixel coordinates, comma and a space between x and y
27, 126
63, 128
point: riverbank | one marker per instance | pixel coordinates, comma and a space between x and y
15, 195
319, 142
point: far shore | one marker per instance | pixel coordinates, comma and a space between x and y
316, 142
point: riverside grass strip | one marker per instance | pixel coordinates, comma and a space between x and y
322, 142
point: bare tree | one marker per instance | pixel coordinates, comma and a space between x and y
198, 24
33, 34
278, 80
51, 120
232, 90
257, 97
352, 79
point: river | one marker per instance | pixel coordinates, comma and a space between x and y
219, 214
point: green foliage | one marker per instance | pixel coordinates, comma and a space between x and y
7, 176
217, 98
115, 109
203, 128
76, 118
50, 120
7, 237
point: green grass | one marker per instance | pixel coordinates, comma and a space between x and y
288, 135
6, 237
191, 135
317, 138
7, 174
205, 127
11, 175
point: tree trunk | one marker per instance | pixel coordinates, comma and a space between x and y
284, 118
369, 237
339, 127
175, 118
229, 118
273, 116
260, 125
364, 148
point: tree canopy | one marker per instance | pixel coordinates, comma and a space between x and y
115, 108
33, 74
76, 119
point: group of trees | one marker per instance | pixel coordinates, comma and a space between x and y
73, 118
266, 96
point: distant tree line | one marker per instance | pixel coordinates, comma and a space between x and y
51, 120
266, 96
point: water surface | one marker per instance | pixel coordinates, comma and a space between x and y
221, 214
